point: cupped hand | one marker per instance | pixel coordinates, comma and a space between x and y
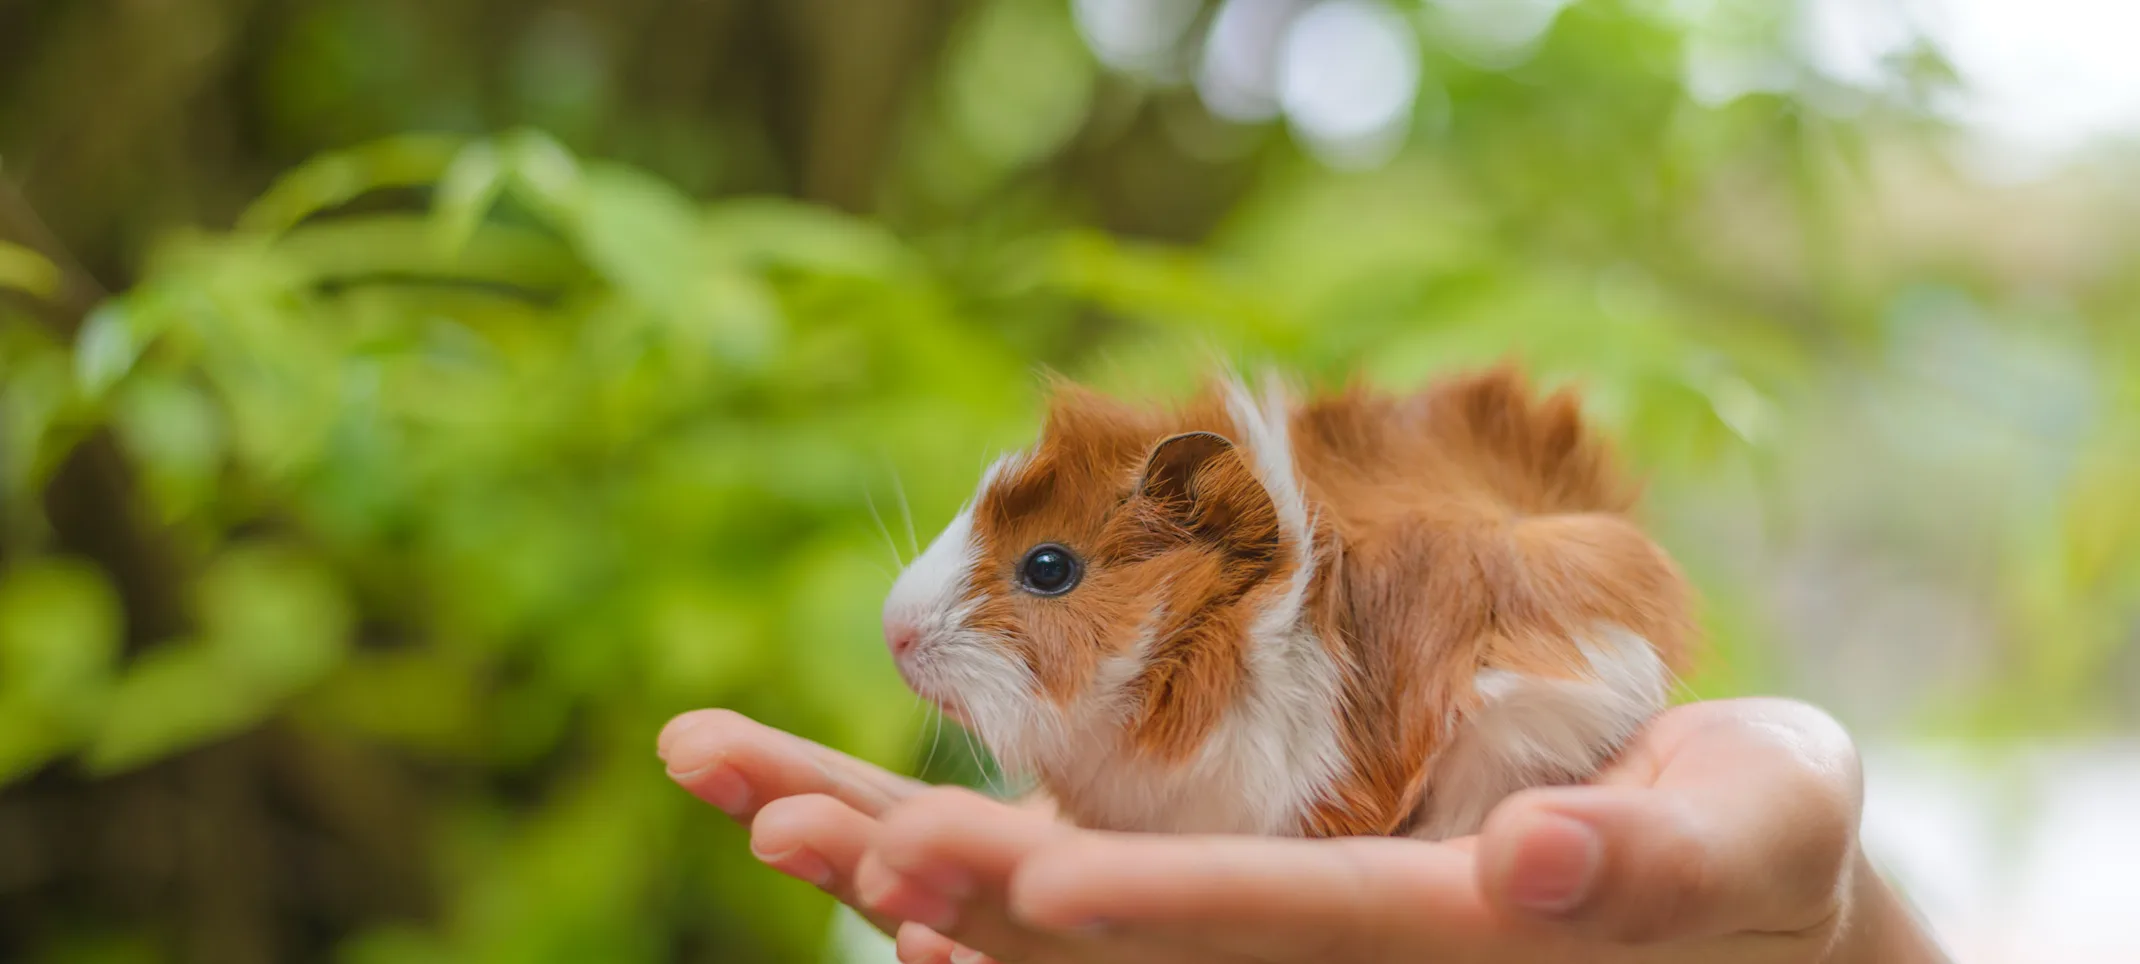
1726, 832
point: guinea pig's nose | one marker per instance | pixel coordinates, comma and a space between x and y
899, 635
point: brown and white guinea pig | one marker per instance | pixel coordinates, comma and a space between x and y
1359, 614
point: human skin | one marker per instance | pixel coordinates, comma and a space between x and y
1726, 832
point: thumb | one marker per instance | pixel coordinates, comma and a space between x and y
1732, 839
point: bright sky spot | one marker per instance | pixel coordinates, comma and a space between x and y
1138, 36
2042, 78
1493, 33
1348, 72
2023, 862
1238, 78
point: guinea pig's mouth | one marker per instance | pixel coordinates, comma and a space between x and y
948, 707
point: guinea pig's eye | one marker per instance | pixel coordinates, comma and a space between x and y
1049, 570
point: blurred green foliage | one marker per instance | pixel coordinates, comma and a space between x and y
422, 495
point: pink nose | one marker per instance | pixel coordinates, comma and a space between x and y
900, 636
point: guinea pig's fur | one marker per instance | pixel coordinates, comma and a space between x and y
1361, 614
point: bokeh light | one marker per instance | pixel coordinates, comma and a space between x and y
1348, 71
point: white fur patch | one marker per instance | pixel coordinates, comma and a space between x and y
1280, 748
930, 587
1529, 731
1265, 427
950, 662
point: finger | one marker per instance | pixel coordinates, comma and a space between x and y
739, 764
944, 859
919, 945
1749, 825
818, 840
1259, 898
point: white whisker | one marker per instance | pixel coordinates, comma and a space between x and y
906, 512
883, 529
936, 736
980, 768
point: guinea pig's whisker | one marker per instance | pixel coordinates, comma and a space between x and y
980, 769
989, 776
883, 529
935, 736
906, 513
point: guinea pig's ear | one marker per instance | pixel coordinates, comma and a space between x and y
1199, 482
1170, 471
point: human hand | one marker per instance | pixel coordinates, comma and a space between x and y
1726, 832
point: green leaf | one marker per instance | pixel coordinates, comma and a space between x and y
544, 173
640, 233
465, 194
178, 438
27, 271
174, 697
107, 347
332, 180
29, 738
403, 245
59, 633
775, 232
422, 699
1742, 408
651, 242
34, 398
277, 620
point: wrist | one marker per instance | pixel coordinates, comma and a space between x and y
1879, 927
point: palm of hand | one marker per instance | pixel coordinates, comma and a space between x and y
1725, 832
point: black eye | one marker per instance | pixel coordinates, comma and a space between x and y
1049, 570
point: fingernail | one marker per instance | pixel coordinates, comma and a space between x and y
910, 900
673, 731
799, 864
967, 955
1556, 863
721, 786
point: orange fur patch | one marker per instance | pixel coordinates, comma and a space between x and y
1182, 549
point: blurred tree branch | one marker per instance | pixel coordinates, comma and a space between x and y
860, 62
78, 292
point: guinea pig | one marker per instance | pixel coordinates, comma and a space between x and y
1363, 613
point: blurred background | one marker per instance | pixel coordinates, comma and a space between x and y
407, 405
